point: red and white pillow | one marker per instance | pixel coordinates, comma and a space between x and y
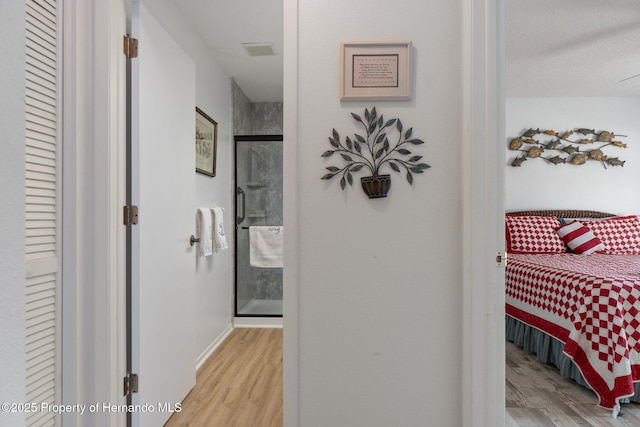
580, 239
620, 235
533, 234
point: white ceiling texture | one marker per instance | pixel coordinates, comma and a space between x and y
225, 25
572, 48
563, 48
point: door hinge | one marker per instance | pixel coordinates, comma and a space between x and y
501, 259
130, 47
130, 383
130, 215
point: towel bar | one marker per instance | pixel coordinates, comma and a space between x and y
193, 240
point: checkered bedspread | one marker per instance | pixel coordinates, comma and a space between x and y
589, 302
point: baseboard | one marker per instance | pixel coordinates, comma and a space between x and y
257, 322
212, 347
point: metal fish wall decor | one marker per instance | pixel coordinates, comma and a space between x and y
575, 147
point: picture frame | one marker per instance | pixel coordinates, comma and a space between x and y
375, 71
206, 143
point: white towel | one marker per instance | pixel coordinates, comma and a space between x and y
219, 238
203, 232
265, 246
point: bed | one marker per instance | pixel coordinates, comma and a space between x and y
573, 296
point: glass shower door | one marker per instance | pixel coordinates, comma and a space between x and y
258, 290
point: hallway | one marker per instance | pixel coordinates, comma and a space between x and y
240, 385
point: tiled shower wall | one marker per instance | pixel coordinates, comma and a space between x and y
259, 118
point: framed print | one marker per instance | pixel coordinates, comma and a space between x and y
377, 71
206, 143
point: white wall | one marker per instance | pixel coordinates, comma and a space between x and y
214, 274
12, 134
380, 283
379, 343
540, 185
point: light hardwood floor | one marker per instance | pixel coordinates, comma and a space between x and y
538, 396
240, 385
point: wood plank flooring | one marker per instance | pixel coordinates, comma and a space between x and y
536, 395
240, 385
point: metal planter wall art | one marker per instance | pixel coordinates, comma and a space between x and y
381, 143
574, 147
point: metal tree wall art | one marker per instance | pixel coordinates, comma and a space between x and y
381, 143
575, 147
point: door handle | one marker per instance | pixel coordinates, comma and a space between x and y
240, 191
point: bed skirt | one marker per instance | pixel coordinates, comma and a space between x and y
549, 350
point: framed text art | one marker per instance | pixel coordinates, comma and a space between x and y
376, 71
206, 143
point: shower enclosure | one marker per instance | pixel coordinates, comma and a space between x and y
258, 290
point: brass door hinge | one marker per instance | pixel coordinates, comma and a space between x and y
130, 47
501, 259
130, 215
130, 383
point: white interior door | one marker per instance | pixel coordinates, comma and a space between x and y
163, 188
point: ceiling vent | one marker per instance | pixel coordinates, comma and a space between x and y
259, 49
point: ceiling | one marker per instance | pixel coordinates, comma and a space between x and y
572, 48
225, 24
562, 48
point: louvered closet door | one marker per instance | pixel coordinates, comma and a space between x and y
43, 201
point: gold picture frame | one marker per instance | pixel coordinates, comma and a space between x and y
206, 143
375, 71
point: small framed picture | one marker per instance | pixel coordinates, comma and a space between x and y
377, 71
206, 143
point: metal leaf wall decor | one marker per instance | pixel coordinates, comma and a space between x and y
381, 142
575, 147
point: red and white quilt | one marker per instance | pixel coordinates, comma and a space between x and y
589, 302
